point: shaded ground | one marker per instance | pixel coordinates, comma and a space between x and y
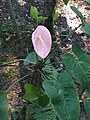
12, 49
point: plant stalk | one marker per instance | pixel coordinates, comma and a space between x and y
12, 14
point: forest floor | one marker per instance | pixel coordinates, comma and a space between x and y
12, 49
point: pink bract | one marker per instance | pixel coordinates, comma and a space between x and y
42, 41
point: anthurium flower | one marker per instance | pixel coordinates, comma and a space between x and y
42, 41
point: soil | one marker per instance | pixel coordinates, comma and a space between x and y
12, 49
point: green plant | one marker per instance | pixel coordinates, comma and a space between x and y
85, 26
88, 1
60, 87
78, 66
65, 2
35, 14
51, 93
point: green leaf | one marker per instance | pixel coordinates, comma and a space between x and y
34, 12
31, 92
84, 61
65, 2
75, 68
63, 96
78, 13
31, 58
87, 108
88, 1
3, 106
86, 28
43, 100
41, 18
55, 15
80, 54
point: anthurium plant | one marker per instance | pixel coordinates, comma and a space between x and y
58, 89
51, 93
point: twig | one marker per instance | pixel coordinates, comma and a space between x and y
16, 82
11, 62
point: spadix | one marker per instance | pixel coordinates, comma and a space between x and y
41, 40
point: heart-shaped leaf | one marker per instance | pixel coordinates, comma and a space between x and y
30, 59
75, 68
31, 92
63, 96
